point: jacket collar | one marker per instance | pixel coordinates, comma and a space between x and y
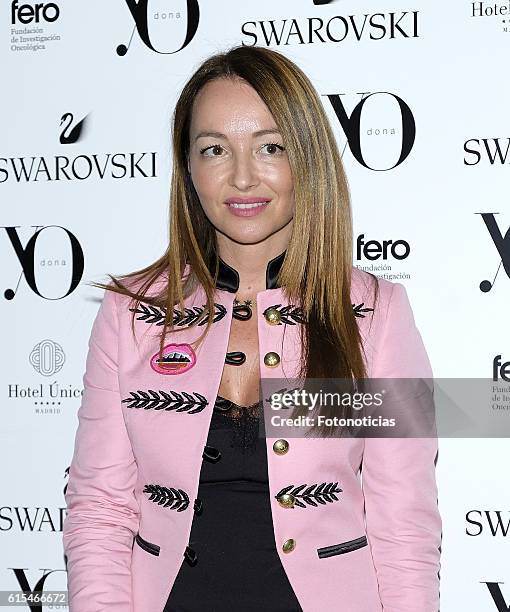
228, 277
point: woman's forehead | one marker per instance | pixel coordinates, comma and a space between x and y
228, 107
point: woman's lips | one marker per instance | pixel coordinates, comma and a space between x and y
245, 208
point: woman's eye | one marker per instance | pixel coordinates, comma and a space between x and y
273, 148
211, 148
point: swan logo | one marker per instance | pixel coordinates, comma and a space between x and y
70, 135
155, 27
26, 13
98, 166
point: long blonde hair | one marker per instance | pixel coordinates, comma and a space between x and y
316, 272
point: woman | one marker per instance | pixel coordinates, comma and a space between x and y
174, 502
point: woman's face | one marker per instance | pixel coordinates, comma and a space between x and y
237, 155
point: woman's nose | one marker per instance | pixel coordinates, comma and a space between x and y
244, 171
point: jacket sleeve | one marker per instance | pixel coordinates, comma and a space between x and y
102, 511
398, 479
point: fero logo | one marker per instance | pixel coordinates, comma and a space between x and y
373, 249
27, 13
140, 13
500, 370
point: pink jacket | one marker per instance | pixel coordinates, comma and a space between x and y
376, 548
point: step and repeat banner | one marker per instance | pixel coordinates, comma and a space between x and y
417, 94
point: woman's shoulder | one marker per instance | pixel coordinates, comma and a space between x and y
392, 311
369, 289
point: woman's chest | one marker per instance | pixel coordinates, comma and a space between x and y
240, 378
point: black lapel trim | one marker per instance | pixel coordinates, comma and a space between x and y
228, 277
272, 270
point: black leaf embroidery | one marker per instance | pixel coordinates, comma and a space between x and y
166, 400
323, 493
153, 314
176, 499
359, 309
290, 314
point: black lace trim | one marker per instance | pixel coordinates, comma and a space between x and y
244, 422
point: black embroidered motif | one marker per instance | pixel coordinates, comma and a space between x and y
359, 309
242, 311
163, 400
287, 313
290, 314
176, 499
153, 314
322, 494
198, 506
235, 358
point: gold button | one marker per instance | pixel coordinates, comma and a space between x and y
289, 545
273, 317
280, 447
287, 500
271, 359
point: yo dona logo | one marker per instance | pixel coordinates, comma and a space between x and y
28, 13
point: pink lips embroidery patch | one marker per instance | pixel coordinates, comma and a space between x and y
176, 359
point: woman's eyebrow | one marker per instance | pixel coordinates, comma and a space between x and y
212, 134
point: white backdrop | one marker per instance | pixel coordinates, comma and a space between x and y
445, 62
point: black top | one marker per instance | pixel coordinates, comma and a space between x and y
233, 562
